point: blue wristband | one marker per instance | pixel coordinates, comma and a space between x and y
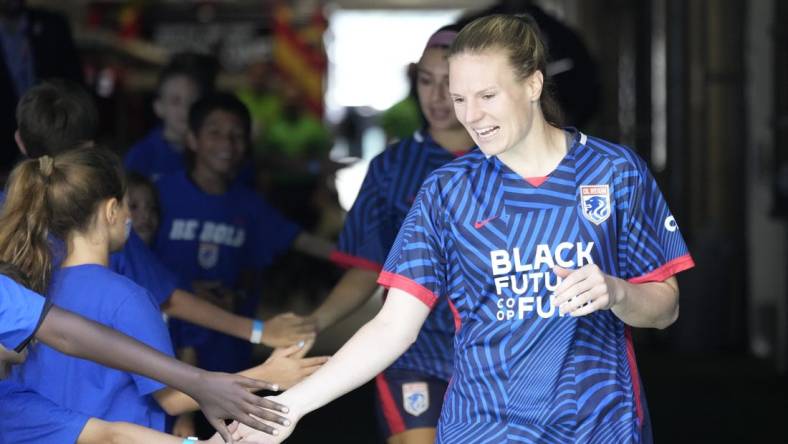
257, 331
189, 440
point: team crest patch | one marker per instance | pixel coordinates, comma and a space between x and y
208, 255
595, 200
415, 397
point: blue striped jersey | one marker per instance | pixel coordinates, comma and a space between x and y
487, 239
389, 189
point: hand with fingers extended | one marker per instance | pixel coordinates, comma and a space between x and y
288, 366
223, 396
246, 435
287, 329
585, 290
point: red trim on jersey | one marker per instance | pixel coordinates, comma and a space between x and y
633, 370
390, 409
671, 268
408, 285
345, 260
536, 181
457, 319
459, 153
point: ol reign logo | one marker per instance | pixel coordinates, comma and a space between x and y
415, 397
595, 200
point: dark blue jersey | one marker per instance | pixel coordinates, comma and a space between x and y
389, 189
487, 239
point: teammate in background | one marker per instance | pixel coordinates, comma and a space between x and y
215, 230
79, 198
410, 391
162, 150
546, 244
57, 115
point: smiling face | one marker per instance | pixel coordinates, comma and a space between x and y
495, 107
219, 144
432, 86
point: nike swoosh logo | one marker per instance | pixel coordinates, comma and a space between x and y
481, 223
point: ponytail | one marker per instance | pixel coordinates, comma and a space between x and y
24, 223
49, 198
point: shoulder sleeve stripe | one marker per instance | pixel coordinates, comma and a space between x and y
349, 261
662, 273
391, 280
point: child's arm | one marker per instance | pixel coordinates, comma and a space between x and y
286, 367
97, 431
279, 331
220, 395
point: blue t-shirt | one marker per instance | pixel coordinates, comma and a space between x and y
214, 238
390, 186
153, 157
21, 311
95, 292
26, 417
487, 239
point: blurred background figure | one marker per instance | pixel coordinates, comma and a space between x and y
36, 45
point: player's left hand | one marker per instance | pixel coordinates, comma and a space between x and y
585, 290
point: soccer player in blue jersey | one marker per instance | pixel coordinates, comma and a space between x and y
549, 243
58, 115
215, 230
410, 392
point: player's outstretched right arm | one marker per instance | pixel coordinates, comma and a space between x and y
373, 348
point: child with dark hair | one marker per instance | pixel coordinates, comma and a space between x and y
213, 228
143, 200
53, 116
134, 260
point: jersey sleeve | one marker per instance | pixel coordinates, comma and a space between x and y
367, 234
138, 318
416, 263
653, 246
21, 312
27, 417
137, 262
272, 235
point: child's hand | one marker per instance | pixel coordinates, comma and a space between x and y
287, 329
248, 435
287, 366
